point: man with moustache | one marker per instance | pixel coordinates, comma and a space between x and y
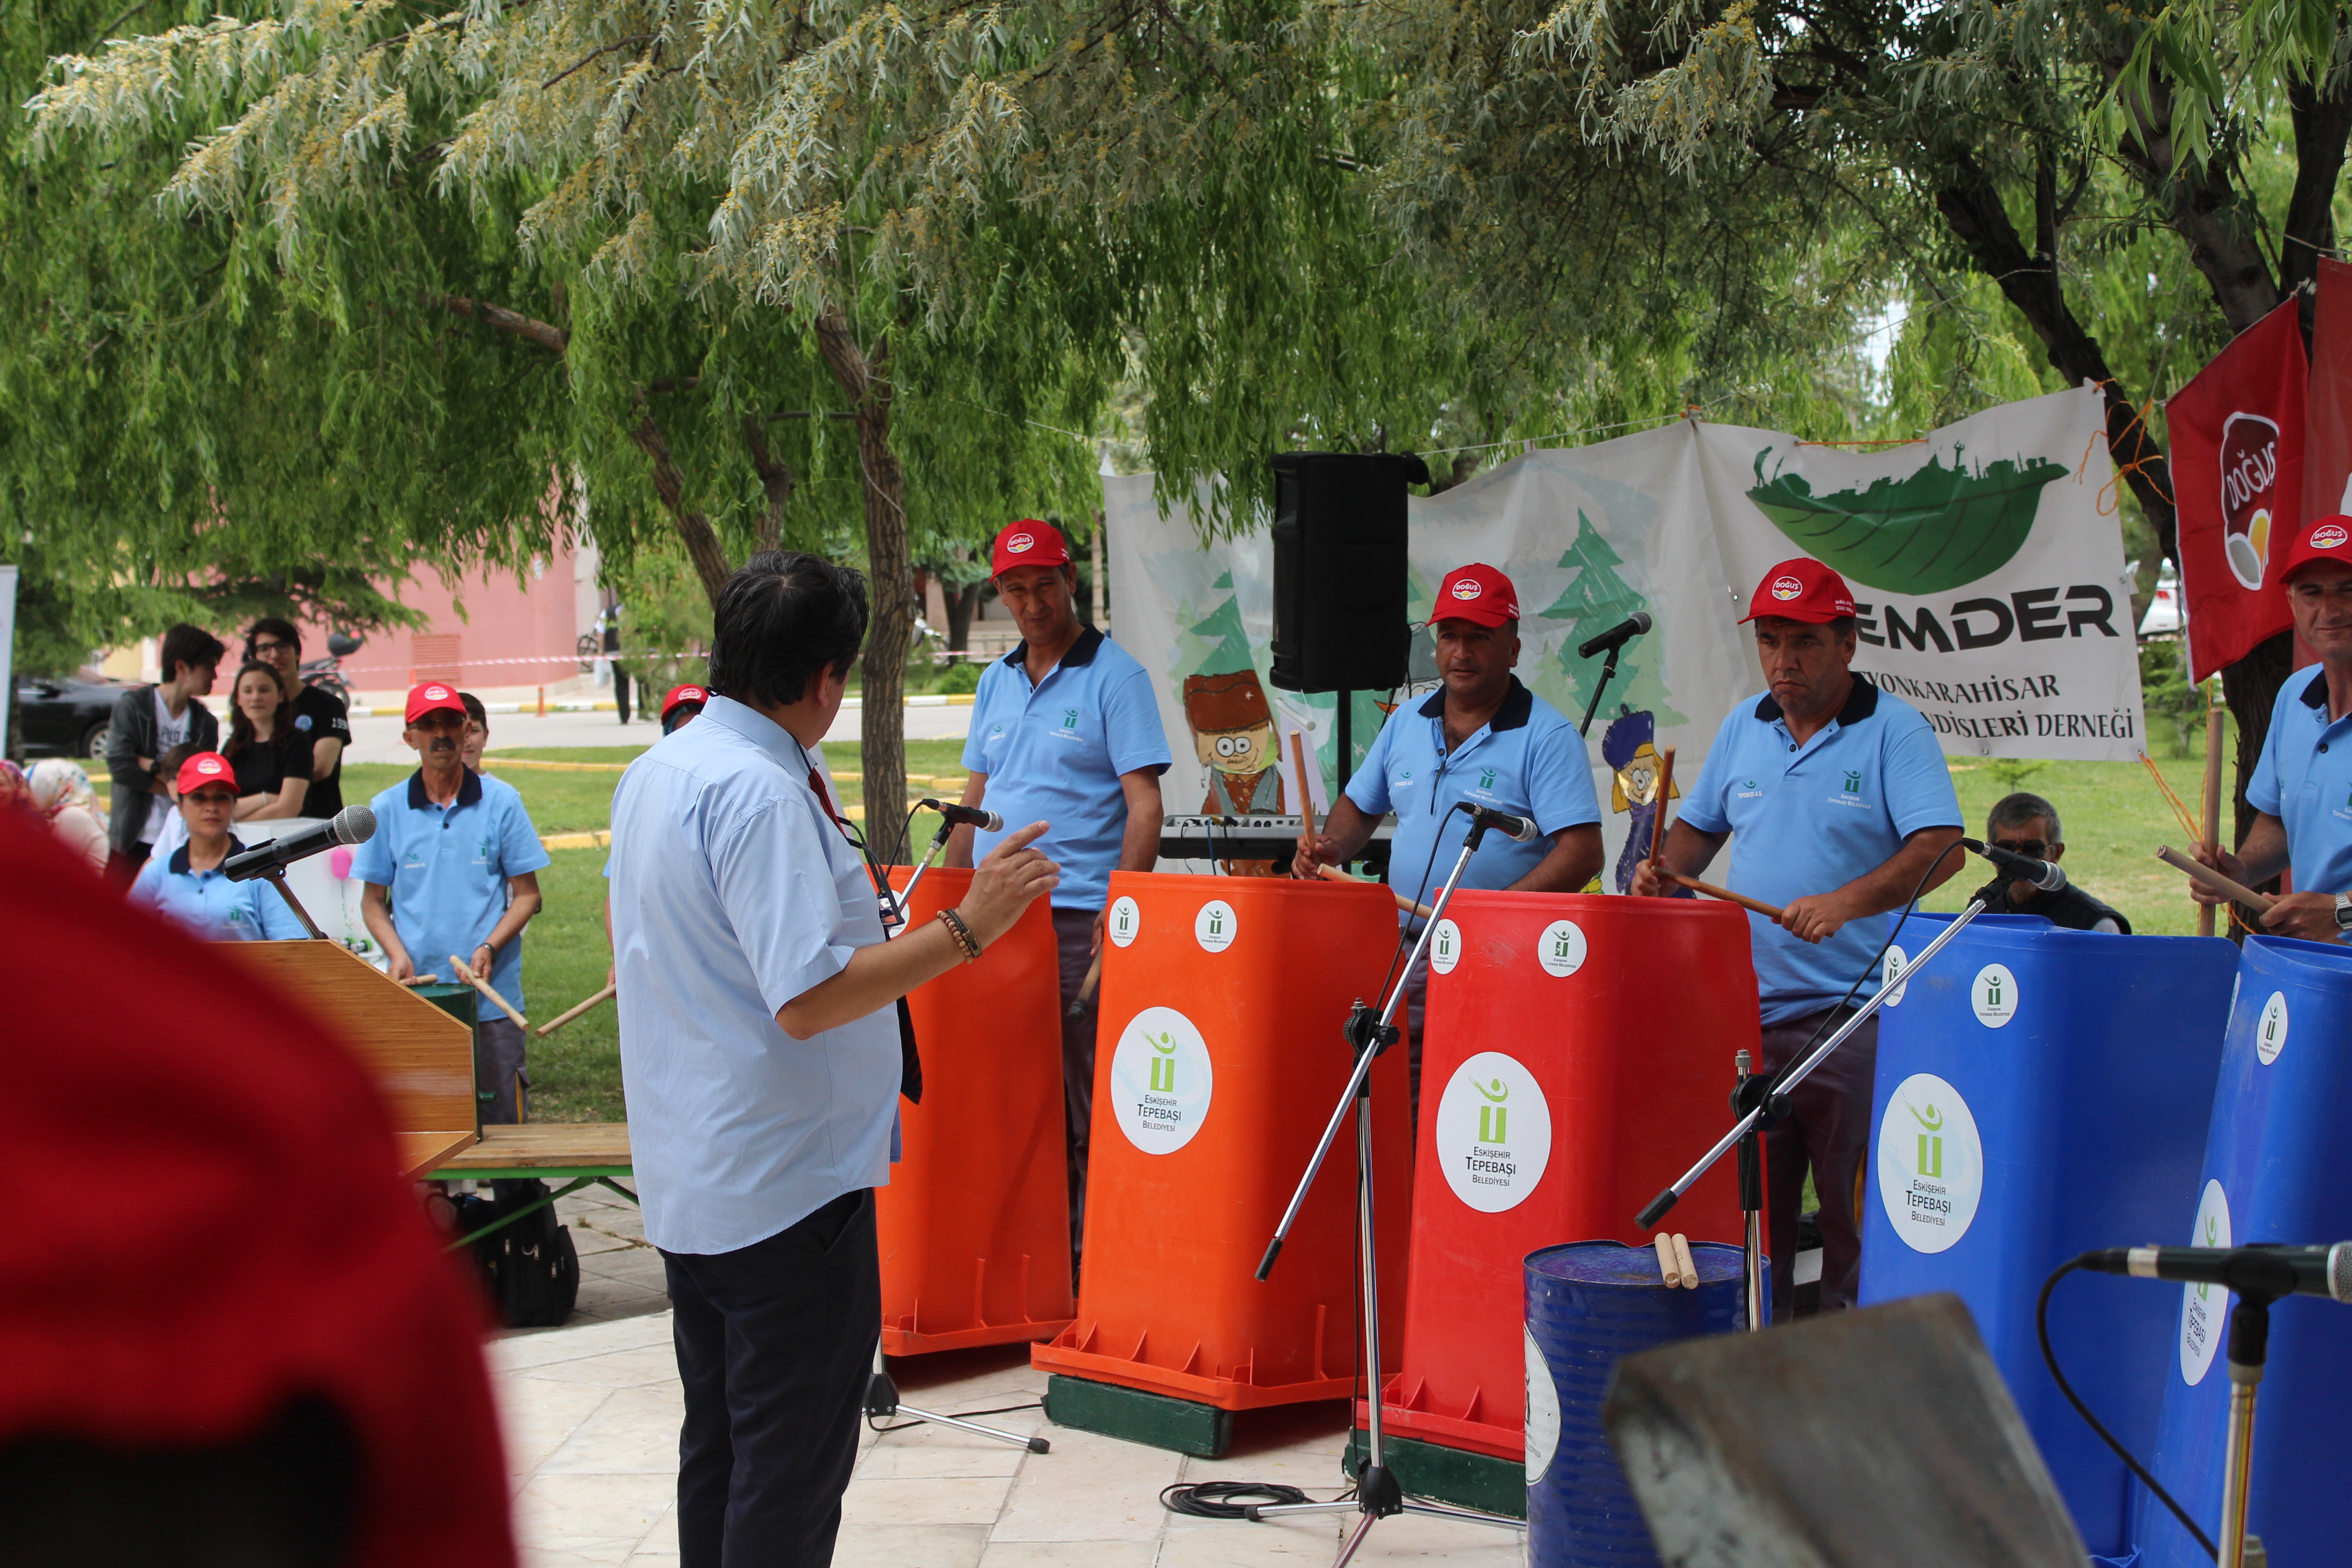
454, 868
1065, 731
1836, 800
1481, 738
2302, 785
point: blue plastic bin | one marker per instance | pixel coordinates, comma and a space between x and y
2278, 1167
2041, 1092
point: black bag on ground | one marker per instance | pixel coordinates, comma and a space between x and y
529, 1268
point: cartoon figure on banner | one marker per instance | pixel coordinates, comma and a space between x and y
1629, 746
1234, 736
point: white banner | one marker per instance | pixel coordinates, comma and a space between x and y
1988, 558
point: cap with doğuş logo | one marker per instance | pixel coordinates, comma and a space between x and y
206, 768
680, 696
2327, 539
1029, 542
433, 697
1477, 593
1800, 590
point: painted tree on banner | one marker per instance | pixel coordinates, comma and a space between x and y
1595, 599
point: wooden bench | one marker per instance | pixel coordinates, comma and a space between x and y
577, 1153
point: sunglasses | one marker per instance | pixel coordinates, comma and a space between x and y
2031, 849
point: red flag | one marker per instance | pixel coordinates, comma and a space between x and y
2327, 448
2237, 481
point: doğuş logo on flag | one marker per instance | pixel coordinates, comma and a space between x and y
2250, 466
1467, 588
1786, 588
2328, 536
1019, 543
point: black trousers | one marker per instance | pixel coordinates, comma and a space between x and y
1074, 938
776, 1342
1828, 1132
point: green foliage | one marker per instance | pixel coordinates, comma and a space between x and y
665, 619
2169, 697
962, 676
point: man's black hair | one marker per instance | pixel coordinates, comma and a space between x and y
192, 646
273, 626
2022, 810
782, 618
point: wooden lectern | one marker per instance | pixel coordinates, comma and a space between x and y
422, 1059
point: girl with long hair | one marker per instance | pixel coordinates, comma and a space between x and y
271, 756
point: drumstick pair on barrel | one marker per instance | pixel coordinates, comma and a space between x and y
1676, 1264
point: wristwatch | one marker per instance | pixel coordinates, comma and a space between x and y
2344, 912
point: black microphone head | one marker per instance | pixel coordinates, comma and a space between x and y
355, 825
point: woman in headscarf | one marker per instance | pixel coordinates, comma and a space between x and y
60, 791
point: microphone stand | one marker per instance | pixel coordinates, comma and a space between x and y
1608, 674
2249, 1334
1762, 1098
276, 876
1378, 1495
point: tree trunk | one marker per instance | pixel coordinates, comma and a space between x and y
702, 546
775, 481
962, 604
863, 373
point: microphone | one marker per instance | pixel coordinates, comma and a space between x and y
352, 824
2044, 874
1519, 827
965, 815
2269, 1272
1616, 637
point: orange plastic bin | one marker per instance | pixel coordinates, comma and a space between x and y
1219, 1058
1577, 1056
975, 1224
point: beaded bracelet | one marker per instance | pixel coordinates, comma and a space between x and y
961, 933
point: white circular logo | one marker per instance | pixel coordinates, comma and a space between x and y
1161, 1081
2270, 1029
1126, 921
1445, 947
1019, 543
1213, 928
1994, 995
2328, 535
1467, 588
1930, 1164
1494, 1132
1898, 961
1786, 588
2204, 1309
1543, 1411
1562, 949
208, 766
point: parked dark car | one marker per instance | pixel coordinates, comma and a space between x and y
65, 716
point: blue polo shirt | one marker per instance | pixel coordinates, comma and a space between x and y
1526, 760
447, 868
2304, 778
1053, 753
1810, 819
212, 906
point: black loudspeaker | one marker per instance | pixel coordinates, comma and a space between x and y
1339, 616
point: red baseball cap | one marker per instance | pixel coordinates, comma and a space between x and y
205, 768
2327, 539
1477, 593
1800, 590
432, 697
683, 694
1029, 542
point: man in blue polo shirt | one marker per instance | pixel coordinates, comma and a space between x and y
1065, 731
188, 884
1836, 800
454, 870
2302, 785
1481, 738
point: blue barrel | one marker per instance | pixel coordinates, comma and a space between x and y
2278, 1167
2041, 1092
1588, 1303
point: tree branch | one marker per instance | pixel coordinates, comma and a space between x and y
702, 546
555, 340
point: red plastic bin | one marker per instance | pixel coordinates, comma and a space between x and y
975, 1226
1577, 1057
1219, 1058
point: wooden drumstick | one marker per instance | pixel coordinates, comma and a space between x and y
597, 1000
1670, 1268
1665, 796
1333, 874
2214, 714
1726, 894
2213, 879
1305, 795
1684, 1260
482, 986
1086, 986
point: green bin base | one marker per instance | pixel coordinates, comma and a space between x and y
1155, 1420
1449, 1475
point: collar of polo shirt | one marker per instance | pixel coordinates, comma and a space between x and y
1082, 652
1860, 704
179, 863
469, 790
1518, 703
